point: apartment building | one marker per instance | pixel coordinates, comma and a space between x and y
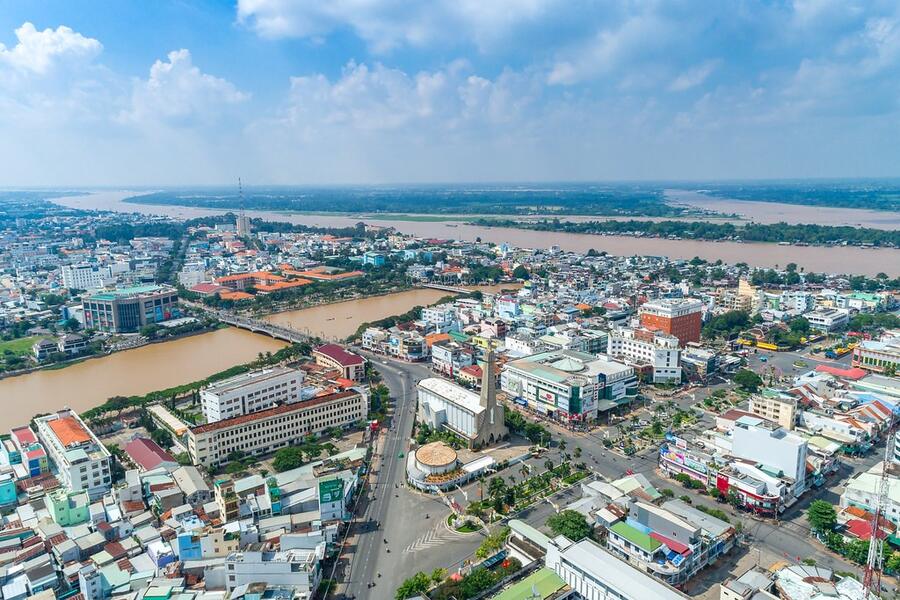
680, 317
250, 392
85, 276
645, 347
82, 462
776, 407
126, 310
268, 430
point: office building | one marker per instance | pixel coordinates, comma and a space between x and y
646, 347
597, 574
333, 356
126, 310
268, 430
298, 569
569, 385
827, 320
773, 448
477, 418
82, 462
680, 317
250, 392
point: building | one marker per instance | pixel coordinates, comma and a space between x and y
82, 462
595, 573
126, 310
148, 455
771, 447
268, 430
298, 569
646, 347
569, 385
878, 356
679, 317
85, 276
828, 319
242, 225
449, 357
776, 407
68, 508
250, 392
477, 418
72, 344
333, 356
862, 490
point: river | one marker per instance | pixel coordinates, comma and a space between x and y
128, 373
812, 258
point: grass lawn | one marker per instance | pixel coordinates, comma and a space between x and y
19, 346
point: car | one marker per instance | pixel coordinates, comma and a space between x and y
400, 455
763, 359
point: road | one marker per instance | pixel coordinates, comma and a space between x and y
412, 523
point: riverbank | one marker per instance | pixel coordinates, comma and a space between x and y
821, 260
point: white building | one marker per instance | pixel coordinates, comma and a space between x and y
85, 276
828, 319
643, 346
192, 273
439, 318
82, 462
296, 568
476, 418
268, 430
862, 489
596, 574
774, 447
250, 392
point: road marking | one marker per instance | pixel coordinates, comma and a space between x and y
436, 536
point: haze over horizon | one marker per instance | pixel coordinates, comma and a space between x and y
385, 92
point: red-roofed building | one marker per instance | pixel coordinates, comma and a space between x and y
333, 356
852, 374
148, 455
208, 289
862, 530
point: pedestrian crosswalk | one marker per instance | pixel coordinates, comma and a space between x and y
436, 536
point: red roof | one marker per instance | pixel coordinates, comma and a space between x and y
672, 544
147, 453
474, 370
25, 435
863, 529
341, 356
854, 373
207, 288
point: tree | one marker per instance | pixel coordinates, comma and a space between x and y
496, 487
287, 459
414, 586
571, 524
438, 575
748, 380
162, 437
821, 516
520, 272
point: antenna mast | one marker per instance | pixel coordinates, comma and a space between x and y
874, 562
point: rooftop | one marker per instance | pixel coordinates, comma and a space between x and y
452, 393
436, 454
339, 354
69, 431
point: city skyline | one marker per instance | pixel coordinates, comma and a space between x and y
379, 92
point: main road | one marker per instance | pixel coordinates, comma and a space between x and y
401, 531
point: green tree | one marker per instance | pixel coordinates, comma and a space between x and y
748, 380
414, 586
287, 459
821, 516
571, 524
520, 272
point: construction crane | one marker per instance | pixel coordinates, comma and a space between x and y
874, 562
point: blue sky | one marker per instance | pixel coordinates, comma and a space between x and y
381, 91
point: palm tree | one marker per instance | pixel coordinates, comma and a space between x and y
577, 452
562, 445
548, 464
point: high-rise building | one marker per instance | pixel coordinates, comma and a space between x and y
680, 317
243, 225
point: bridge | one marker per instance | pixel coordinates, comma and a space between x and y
447, 288
259, 326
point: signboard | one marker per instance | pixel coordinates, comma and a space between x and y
331, 490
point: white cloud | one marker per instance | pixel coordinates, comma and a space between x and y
37, 51
694, 76
178, 92
387, 24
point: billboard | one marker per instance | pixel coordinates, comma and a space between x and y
331, 490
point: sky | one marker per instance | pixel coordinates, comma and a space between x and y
177, 92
